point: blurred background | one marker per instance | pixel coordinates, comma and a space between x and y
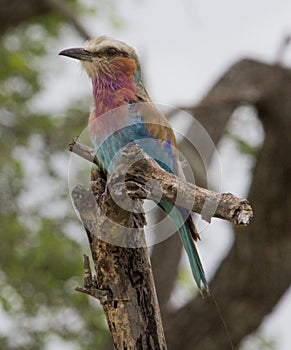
228, 64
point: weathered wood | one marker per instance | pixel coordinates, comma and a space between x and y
140, 177
113, 217
123, 282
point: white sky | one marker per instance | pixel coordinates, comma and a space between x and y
185, 46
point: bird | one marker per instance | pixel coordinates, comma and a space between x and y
115, 72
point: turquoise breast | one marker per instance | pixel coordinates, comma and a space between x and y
113, 137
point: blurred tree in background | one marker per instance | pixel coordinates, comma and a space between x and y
40, 256
40, 261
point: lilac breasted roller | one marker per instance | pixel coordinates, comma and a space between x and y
115, 72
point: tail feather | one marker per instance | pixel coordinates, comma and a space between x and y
187, 234
194, 259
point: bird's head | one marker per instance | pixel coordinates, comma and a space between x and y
105, 57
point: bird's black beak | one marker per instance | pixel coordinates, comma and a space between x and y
78, 53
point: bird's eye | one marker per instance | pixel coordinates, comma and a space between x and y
111, 51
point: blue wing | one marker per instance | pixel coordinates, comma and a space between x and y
157, 140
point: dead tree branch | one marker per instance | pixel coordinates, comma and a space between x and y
140, 177
284, 45
124, 281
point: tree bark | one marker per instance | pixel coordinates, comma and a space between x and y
124, 282
138, 176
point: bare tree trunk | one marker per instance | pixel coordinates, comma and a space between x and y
124, 282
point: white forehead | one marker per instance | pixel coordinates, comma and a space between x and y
102, 42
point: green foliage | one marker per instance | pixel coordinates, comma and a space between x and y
243, 146
246, 130
40, 263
